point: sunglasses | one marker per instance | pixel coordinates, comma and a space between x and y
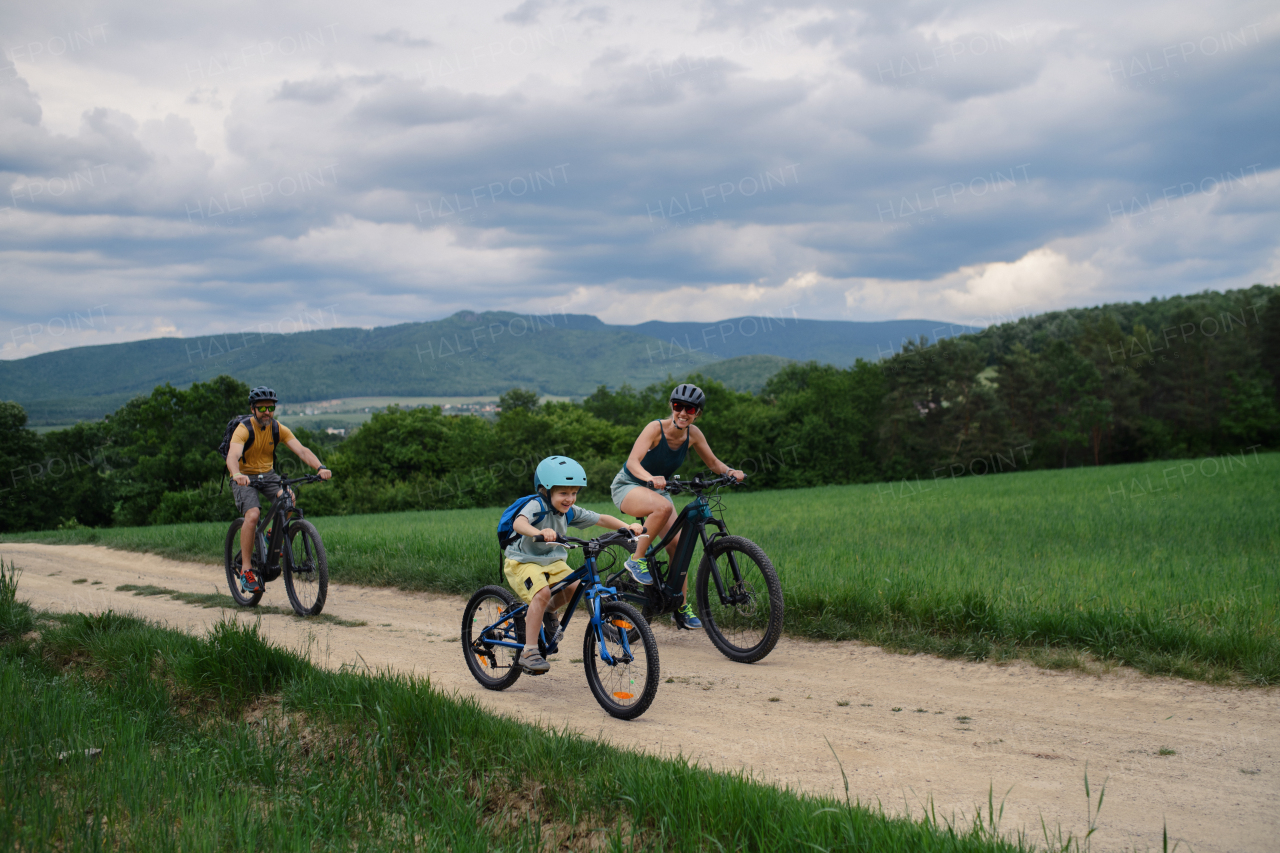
266, 408
684, 407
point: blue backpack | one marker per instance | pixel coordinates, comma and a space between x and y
506, 524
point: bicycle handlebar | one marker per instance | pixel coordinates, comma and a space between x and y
308, 478
697, 484
624, 533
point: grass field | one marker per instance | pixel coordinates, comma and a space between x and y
1168, 567
121, 735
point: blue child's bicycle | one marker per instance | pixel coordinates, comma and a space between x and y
619, 653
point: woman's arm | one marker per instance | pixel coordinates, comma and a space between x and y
617, 524
699, 443
646, 441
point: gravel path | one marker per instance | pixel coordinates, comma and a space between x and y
907, 729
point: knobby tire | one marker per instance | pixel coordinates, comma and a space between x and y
306, 574
495, 667
745, 632
232, 559
624, 690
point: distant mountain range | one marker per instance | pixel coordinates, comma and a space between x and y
466, 354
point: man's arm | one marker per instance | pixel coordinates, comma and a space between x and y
307, 456
233, 464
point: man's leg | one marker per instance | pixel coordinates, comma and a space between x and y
247, 532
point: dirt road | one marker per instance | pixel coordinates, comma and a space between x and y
906, 729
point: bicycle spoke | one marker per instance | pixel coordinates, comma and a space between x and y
746, 621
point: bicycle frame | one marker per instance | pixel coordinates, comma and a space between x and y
286, 508
593, 589
668, 587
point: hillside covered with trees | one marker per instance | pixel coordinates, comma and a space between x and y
1186, 376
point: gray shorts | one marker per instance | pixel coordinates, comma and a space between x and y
247, 496
622, 486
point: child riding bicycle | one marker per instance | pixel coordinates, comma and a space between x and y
251, 462
534, 562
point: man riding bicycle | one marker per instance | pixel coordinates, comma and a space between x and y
252, 470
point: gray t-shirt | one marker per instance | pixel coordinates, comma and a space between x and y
526, 549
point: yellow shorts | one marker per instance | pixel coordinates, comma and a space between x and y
527, 578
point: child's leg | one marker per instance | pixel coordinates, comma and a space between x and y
561, 598
533, 617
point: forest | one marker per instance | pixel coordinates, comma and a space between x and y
1180, 377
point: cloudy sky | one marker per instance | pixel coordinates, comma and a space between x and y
185, 168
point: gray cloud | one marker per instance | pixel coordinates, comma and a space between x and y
733, 157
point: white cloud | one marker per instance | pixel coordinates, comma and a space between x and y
982, 293
183, 103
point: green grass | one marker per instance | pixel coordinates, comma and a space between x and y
211, 600
121, 735
1145, 565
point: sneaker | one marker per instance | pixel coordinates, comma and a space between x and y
686, 618
532, 662
249, 583
552, 628
639, 569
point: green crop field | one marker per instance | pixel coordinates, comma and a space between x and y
1170, 567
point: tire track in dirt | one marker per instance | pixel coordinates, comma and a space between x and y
959, 728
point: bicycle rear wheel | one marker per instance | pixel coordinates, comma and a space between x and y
495, 667
306, 573
745, 624
232, 559
625, 688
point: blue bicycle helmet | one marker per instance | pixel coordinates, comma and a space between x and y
558, 471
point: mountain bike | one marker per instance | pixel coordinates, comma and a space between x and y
619, 653
737, 593
290, 545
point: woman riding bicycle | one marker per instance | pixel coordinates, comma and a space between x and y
657, 454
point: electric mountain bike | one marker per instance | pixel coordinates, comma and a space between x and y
737, 593
291, 546
619, 653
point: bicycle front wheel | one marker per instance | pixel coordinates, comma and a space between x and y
306, 574
232, 559
626, 687
744, 622
495, 667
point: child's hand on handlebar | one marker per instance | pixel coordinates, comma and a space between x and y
549, 534
636, 528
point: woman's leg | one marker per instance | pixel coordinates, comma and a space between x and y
657, 512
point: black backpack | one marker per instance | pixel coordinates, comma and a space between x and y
225, 447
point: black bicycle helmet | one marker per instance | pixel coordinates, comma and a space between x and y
262, 392
691, 394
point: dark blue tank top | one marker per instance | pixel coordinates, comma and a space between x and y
661, 460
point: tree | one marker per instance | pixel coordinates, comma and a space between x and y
518, 399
